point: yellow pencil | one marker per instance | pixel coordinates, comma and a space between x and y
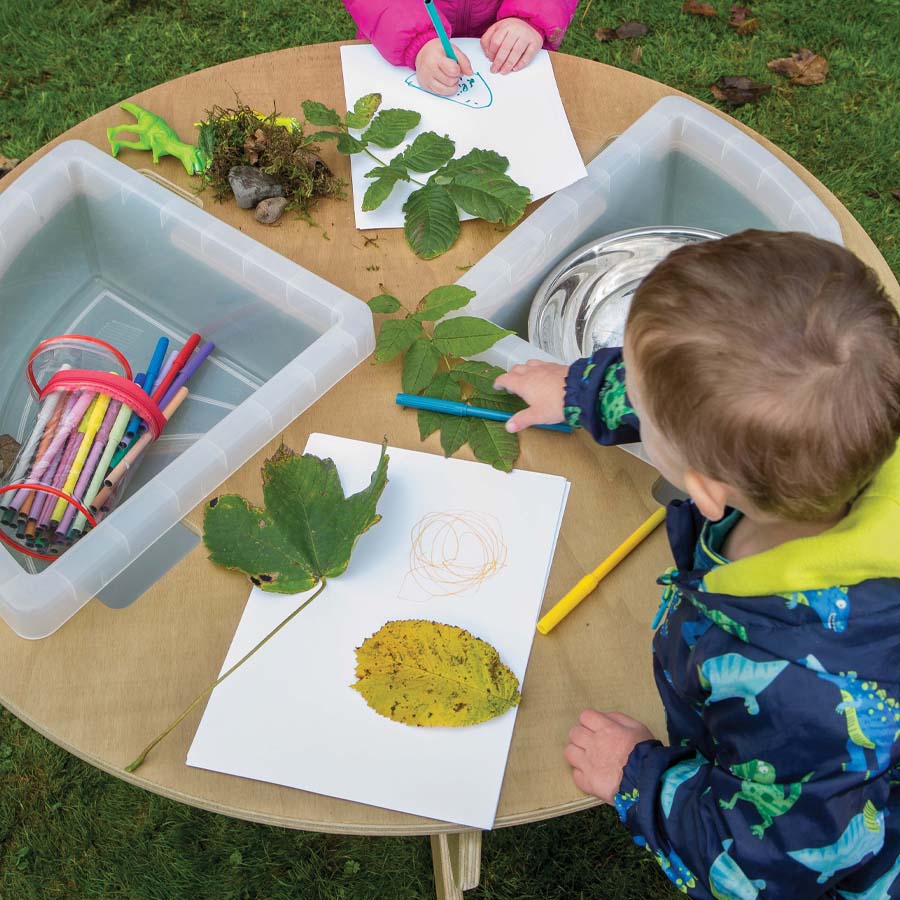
587, 584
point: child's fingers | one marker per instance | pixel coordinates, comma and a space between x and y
622, 719
515, 54
448, 68
592, 719
464, 64
527, 56
487, 40
524, 419
503, 52
575, 756
580, 736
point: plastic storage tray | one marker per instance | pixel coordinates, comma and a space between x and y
678, 164
89, 246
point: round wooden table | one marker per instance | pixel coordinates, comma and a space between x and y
109, 680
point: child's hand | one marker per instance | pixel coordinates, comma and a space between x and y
598, 749
542, 386
510, 44
437, 72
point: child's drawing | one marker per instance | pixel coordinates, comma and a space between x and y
452, 553
473, 92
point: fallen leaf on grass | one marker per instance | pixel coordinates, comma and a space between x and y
7, 165
802, 67
637, 55
623, 32
695, 8
741, 20
736, 90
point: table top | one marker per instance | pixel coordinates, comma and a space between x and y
109, 680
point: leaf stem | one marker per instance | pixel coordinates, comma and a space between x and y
133, 766
380, 162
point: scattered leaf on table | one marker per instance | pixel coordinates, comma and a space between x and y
696, 8
493, 444
481, 375
420, 365
442, 300
631, 30
802, 67
442, 387
454, 433
467, 335
384, 303
319, 114
494, 197
9, 447
736, 90
7, 165
425, 673
305, 532
395, 337
431, 221
742, 20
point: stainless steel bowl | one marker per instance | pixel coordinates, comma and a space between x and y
583, 303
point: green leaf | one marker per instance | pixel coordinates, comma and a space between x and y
318, 136
427, 673
475, 162
303, 494
420, 365
349, 145
390, 126
362, 111
498, 400
392, 171
480, 375
494, 197
432, 221
443, 388
384, 303
377, 192
467, 335
492, 443
454, 433
319, 114
437, 303
396, 336
244, 537
428, 151
307, 529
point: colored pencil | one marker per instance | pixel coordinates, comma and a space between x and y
183, 356
187, 372
153, 369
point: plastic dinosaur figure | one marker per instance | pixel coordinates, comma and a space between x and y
156, 135
759, 787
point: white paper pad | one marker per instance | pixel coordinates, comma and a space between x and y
519, 115
289, 715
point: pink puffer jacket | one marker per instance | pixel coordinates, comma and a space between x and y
399, 28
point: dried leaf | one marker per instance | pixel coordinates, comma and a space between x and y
741, 20
605, 35
9, 447
695, 8
429, 674
7, 165
631, 30
736, 90
638, 55
305, 533
802, 67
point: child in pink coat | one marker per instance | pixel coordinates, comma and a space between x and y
511, 32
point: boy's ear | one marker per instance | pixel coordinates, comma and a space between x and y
711, 496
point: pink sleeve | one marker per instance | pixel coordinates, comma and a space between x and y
550, 17
398, 28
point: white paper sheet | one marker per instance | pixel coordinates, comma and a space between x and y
289, 715
519, 115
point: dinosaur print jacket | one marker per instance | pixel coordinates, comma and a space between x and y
780, 678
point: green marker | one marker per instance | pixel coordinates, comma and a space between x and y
439, 28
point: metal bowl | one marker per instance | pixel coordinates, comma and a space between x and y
583, 303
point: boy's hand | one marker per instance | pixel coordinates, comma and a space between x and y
599, 747
510, 44
437, 72
542, 386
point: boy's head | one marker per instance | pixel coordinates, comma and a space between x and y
766, 367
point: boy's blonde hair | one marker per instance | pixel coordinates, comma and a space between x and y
771, 361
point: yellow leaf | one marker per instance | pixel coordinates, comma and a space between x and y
425, 673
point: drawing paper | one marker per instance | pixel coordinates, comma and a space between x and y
519, 115
289, 715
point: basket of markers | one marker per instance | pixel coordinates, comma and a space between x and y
92, 424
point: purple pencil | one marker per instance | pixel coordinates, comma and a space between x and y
191, 366
46, 458
90, 464
62, 473
42, 498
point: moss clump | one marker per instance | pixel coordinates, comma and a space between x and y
276, 145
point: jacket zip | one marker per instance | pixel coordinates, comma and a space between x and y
463, 16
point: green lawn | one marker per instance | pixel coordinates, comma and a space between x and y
69, 831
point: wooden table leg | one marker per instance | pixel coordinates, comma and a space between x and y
457, 863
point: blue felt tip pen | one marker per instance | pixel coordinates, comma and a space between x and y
439, 28
455, 408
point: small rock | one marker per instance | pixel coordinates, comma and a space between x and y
269, 211
250, 186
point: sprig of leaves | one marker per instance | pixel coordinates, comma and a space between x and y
476, 183
434, 365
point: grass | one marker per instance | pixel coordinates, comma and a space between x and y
69, 832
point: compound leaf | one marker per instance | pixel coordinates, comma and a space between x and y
475, 162
454, 433
467, 335
384, 303
432, 221
443, 387
420, 365
428, 152
362, 111
493, 444
349, 145
429, 674
480, 375
319, 114
494, 196
390, 126
438, 302
396, 336
377, 192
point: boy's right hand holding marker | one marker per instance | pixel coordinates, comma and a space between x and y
438, 73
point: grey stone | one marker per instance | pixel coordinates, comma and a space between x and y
250, 186
269, 211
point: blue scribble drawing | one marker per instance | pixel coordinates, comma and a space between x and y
831, 605
878, 890
676, 776
733, 675
862, 836
474, 92
728, 882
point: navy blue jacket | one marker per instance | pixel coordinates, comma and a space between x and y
780, 678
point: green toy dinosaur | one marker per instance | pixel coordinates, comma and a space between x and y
156, 135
